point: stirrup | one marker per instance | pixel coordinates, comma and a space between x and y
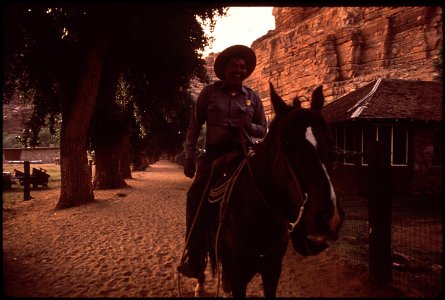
187, 269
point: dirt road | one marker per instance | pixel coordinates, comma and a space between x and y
128, 244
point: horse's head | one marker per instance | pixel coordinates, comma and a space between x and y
304, 144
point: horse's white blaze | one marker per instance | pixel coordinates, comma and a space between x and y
310, 137
336, 217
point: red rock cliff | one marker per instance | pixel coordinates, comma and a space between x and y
343, 48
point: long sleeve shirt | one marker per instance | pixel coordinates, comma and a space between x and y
224, 116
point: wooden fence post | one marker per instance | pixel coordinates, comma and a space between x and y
26, 181
380, 206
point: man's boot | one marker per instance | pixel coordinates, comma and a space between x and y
191, 266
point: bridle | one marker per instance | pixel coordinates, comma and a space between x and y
222, 194
289, 225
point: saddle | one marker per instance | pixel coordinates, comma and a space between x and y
223, 169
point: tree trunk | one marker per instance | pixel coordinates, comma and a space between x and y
139, 159
76, 187
124, 162
108, 174
109, 129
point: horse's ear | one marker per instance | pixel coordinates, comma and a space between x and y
317, 100
280, 107
297, 102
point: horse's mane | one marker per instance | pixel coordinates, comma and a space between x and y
294, 113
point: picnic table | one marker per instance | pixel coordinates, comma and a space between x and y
38, 177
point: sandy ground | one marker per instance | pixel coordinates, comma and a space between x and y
128, 243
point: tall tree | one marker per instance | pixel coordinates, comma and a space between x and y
57, 56
108, 132
166, 71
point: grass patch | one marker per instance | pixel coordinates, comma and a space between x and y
51, 169
11, 196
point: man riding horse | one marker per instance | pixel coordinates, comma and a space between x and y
233, 114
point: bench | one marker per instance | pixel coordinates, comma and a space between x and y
38, 177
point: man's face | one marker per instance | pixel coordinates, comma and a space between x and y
236, 71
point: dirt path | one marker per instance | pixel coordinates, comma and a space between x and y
128, 244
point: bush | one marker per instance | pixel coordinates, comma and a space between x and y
9, 141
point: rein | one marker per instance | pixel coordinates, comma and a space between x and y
223, 193
290, 225
300, 213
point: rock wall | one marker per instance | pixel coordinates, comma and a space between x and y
45, 154
343, 48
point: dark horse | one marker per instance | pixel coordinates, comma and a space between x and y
281, 192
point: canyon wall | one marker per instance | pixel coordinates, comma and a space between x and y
343, 48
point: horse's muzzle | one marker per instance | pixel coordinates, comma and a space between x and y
318, 239
330, 233
322, 238
303, 245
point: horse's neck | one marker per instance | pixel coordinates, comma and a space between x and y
262, 162
272, 174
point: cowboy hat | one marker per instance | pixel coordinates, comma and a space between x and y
236, 50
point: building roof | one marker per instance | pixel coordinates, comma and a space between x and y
387, 98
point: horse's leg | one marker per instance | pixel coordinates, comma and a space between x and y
238, 279
225, 283
238, 289
200, 286
270, 277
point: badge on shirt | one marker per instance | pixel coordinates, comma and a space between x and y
248, 102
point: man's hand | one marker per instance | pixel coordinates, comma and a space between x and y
189, 168
244, 125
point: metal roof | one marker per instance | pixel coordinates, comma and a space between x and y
387, 98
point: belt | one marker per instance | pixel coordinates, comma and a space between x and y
222, 148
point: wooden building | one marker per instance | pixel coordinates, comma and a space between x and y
407, 114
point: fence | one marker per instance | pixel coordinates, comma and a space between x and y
416, 242
397, 239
